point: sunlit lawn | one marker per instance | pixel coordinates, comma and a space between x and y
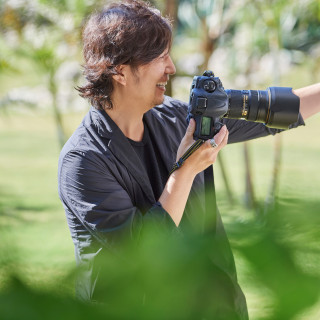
33, 226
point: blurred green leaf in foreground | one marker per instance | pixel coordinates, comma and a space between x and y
168, 275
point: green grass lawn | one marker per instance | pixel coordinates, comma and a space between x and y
32, 217
35, 241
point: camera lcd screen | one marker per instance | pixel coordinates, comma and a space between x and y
205, 126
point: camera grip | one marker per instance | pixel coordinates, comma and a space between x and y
206, 127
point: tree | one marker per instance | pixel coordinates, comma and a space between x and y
46, 33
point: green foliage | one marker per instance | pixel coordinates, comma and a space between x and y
272, 251
39, 305
172, 276
5, 65
47, 34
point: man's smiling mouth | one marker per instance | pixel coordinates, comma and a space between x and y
162, 84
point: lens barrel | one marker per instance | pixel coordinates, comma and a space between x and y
276, 107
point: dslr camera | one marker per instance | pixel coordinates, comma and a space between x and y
276, 107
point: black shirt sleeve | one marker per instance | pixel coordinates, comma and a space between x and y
92, 196
242, 130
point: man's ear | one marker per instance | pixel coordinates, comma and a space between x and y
121, 76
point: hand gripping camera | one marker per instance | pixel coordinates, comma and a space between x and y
276, 107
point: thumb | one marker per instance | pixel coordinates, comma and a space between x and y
191, 128
220, 135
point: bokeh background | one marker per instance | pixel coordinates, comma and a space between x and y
267, 189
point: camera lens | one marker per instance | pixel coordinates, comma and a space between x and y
249, 105
277, 107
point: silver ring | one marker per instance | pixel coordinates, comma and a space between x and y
213, 143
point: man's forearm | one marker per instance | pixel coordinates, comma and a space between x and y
309, 100
176, 192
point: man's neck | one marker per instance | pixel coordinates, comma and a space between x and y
129, 121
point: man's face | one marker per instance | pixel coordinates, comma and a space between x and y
147, 84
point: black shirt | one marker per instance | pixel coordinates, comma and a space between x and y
150, 157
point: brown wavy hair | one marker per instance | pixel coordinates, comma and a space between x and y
130, 32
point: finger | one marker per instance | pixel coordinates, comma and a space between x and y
225, 139
191, 127
218, 138
188, 137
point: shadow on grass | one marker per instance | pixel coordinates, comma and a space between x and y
13, 206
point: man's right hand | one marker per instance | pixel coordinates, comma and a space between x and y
176, 192
206, 155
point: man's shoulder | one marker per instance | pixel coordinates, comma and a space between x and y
172, 105
87, 138
170, 116
172, 109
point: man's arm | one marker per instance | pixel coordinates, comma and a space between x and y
309, 100
176, 192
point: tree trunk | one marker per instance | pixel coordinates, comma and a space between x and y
56, 112
274, 186
249, 194
225, 178
171, 10
274, 40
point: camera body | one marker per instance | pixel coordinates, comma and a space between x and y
276, 107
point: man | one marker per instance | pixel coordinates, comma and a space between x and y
113, 171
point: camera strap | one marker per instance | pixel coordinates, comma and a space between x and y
210, 219
196, 145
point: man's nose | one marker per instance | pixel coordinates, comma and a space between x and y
171, 69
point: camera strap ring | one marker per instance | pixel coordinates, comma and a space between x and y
196, 145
